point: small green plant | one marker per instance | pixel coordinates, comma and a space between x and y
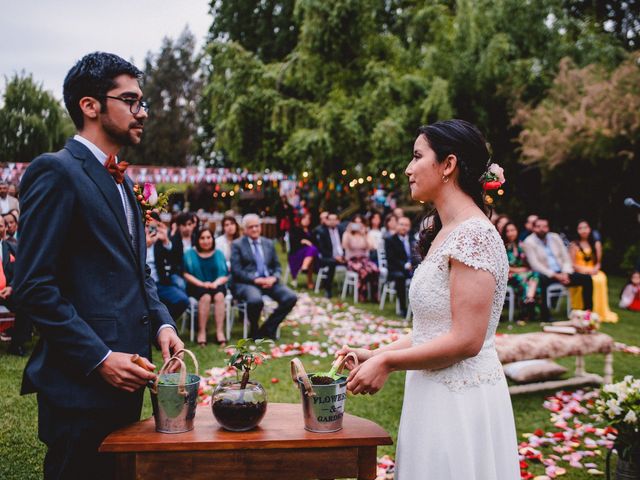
247, 355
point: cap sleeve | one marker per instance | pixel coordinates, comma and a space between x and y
476, 243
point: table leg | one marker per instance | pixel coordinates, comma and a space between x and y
579, 365
608, 368
367, 463
125, 466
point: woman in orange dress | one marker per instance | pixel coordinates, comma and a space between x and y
586, 254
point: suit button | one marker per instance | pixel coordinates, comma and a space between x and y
145, 320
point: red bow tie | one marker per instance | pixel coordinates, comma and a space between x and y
116, 169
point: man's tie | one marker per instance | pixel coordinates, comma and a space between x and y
260, 269
116, 169
407, 248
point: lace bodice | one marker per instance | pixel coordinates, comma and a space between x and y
476, 243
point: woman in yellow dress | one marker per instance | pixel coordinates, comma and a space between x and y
586, 254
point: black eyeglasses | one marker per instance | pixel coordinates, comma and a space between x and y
135, 104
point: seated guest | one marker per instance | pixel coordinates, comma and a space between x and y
500, 221
399, 249
20, 333
390, 223
182, 239
586, 255
523, 280
548, 256
11, 222
256, 272
164, 271
528, 227
630, 298
375, 233
8, 202
205, 271
329, 241
230, 232
356, 248
303, 251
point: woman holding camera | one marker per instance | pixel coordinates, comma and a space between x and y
356, 246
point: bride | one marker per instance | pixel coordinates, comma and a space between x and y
457, 421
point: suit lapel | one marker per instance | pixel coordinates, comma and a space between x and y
104, 181
137, 216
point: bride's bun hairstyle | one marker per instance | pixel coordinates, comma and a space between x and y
464, 140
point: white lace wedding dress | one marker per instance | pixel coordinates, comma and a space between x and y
457, 422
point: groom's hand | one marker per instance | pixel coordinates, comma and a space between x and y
119, 371
169, 342
369, 377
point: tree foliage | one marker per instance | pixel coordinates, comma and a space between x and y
32, 121
172, 86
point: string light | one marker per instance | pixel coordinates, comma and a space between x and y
224, 194
259, 182
369, 178
384, 173
343, 172
361, 180
392, 176
232, 193
305, 174
500, 192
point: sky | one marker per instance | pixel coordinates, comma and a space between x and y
46, 37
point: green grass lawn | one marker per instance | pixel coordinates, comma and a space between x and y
21, 453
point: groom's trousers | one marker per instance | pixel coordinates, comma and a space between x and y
72, 437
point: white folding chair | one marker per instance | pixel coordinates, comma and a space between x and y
557, 291
350, 281
511, 300
190, 312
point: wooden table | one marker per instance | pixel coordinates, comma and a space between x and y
279, 448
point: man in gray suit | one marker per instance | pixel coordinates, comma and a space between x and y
256, 271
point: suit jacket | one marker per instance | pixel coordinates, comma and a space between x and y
537, 256
396, 254
79, 279
324, 241
166, 264
243, 262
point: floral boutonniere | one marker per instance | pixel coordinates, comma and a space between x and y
150, 200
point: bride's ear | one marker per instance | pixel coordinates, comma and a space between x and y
450, 164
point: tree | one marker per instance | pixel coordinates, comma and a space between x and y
263, 27
32, 121
172, 87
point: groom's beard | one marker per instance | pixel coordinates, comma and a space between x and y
124, 137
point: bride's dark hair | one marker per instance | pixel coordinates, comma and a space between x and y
464, 140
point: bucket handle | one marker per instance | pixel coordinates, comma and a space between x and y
299, 373
193, 357
183, 376
342, 360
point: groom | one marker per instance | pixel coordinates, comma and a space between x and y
81, 276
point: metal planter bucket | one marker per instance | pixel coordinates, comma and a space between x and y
174, 397
322, 405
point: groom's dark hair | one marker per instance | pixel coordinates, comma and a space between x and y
93, 77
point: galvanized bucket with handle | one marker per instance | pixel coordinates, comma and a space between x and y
174, 396
322, 405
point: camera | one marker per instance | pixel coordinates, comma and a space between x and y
153, 229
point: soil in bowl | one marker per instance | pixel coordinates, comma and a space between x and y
239, 416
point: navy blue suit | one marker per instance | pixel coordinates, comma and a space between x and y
80, 281
244, 272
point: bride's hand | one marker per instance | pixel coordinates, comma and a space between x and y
369, 377
362, 353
